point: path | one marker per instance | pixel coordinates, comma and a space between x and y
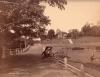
30, 64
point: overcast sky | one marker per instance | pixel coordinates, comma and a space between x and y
76, 14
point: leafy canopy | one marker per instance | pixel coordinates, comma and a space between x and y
25, 16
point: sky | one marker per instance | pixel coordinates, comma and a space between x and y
76, 14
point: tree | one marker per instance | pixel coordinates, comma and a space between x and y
15, 13
95, 30
51, 34
74, 33
91, 30
25, 17
86, 29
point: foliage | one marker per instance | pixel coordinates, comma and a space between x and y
51, 34
91, 30
73, 33
95, 30
86, 29
25, 17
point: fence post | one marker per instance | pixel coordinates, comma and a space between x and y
65, 62
82, 72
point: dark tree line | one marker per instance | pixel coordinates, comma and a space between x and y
86, 30
89, 30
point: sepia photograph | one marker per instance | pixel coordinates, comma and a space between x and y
49, 38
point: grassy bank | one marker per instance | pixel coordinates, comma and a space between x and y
78, 55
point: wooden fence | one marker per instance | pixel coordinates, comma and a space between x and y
80, 72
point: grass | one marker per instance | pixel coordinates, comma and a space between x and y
80, 52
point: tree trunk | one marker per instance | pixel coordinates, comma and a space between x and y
25, 43
3, 55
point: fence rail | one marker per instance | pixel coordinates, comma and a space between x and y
80, 72
13, 52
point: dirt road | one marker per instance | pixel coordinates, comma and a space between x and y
30, 64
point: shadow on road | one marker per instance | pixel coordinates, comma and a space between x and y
29, 62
